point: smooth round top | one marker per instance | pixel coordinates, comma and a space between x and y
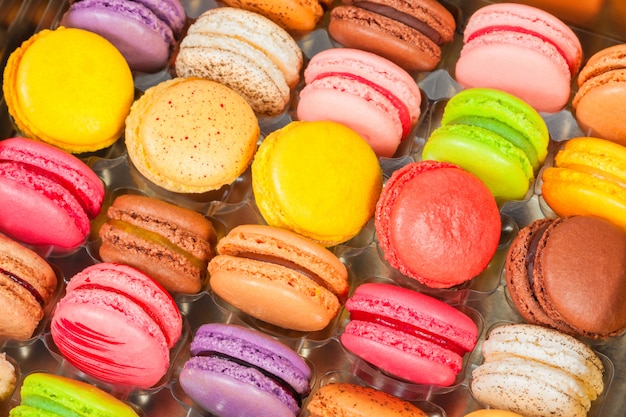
191, 135
437, 223
294, 16
318, 179
69, 87
576, 255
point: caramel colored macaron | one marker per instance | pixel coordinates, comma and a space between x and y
190, 135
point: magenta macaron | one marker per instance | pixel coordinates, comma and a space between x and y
236, 371
46, 186
522, 50
145, 31
408, 334
366, 92
117, 324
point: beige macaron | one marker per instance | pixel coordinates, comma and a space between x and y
245, 51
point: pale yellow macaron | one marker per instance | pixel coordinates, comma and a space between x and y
70, 88
319, 179
191, 135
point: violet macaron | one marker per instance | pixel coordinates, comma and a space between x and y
145, 31
236, 371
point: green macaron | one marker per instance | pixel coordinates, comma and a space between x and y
48, 395
498, 137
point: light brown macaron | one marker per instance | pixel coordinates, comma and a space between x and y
246, 52
191, 135
351, 400
27, 284
171, 244
279, 277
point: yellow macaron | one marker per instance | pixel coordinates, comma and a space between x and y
319, 179
70, 88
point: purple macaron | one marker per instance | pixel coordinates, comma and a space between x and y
145, 31
236, 371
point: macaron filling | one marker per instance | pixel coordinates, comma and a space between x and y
519, 30
403, 111
532, 254
401, 17
404, 327
38, 297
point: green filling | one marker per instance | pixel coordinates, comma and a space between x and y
157, 239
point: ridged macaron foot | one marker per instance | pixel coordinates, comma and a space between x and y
236, 371
368, 93
522, 50
54, 89
411, 34
537, 371
246, 52
117, 324
319, 179
44, 394
351, 400
587, 178
437, 223
427, 348
278, 276
496, 136
175, 119
599, 101
552, 271
27, 283
170, 243
46, 186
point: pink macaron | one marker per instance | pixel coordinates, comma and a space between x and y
408, 334
117, 324
366, 92
522, 50
53, 194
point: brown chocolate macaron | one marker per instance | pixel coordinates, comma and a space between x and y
27, 284
171, 244
570, 274
409, 33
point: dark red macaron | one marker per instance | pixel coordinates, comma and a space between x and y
437, 223
570, 274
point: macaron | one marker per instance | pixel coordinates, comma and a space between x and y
587, 178
351, 400
368, 93
437, 223
144, 31
407, 33
279, 276
522, 50
537, 372
553, 269
45, 394
492, 413
428, 348
297, 17
117, 324
237, 371
27, 284
69, 87
170, 243
599, 101
494, 135
8, 378
246, 52
319, 179
46, 186
175, 119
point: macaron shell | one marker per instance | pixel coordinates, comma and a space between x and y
155, 124
83, 116
599, 105
492, 413
294, 16
171, 12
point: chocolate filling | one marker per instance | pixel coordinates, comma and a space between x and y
401, 17
531, 254
409, 329
24, 284
278, 380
